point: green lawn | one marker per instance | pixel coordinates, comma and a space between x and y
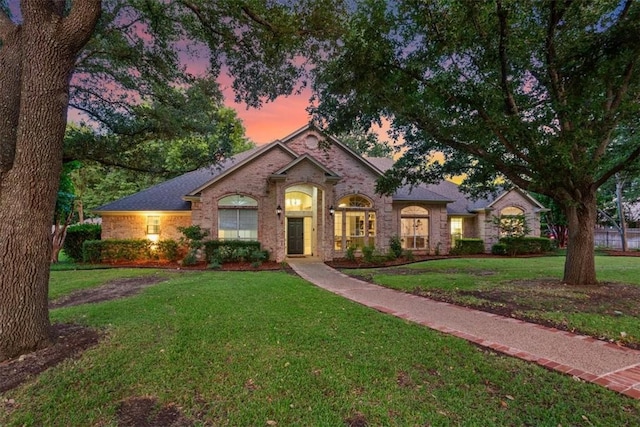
530, 288
242, 349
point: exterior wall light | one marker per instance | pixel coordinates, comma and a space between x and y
331, 210
279, 211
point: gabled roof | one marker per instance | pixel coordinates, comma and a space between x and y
311, 127
332, 176
524, 194
168, 196
445, 192
240, 162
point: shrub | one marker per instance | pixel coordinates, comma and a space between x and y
468, 247
408, 255
368, 252
527, 245
168, 249
227, 247
395, 247
114, 250
499, 249
77, 235
190, 258
350, 253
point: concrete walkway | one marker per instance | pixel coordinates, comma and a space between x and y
616, 368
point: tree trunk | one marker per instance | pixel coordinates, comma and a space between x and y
28, 187
579, 267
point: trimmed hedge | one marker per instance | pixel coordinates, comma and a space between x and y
499, 249
113, 250
468, 247
76, 235
231, 250
527, 245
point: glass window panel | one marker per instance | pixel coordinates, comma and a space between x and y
238, 200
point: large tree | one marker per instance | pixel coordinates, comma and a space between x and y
129, 64
534, 92
37, 57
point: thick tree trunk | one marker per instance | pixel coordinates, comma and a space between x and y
579, 267
29, 184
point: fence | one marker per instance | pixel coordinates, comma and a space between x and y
610, 238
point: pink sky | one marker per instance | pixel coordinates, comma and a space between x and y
274, 120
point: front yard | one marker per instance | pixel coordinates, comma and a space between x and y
530, 289
268, 349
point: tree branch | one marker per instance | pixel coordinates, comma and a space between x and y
622, 165
78, 26
510, 103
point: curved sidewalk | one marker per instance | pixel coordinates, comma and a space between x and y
616, 368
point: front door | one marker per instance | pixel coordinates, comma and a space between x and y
295, 236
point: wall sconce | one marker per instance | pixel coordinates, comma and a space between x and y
331, 210
279, 211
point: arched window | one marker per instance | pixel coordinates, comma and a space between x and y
298, 201
513, 222
414, 225
354, 222
237, 218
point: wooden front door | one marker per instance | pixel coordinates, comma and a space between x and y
295, 236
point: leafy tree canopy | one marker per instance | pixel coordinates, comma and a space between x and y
535, 92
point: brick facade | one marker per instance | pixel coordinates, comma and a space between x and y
325, 170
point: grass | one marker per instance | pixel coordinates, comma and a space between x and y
530, 288
241, 349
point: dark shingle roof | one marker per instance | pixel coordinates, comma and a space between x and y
445, 191
168, 196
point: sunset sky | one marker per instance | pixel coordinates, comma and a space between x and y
273, 121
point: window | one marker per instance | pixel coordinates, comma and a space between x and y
153, 224
414, 226
238, 218
298, 201
512, 222
354, 222
456, 230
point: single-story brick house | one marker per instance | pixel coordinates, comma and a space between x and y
309, 194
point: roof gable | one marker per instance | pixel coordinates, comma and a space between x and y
240, 163
306, 158
334, 142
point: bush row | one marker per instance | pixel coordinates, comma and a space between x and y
76, 236
117, 250
468, 247
523, 246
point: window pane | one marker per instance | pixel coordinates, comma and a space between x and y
228, 219
237, 200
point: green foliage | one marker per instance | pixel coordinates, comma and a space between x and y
527, 92
499, 249
117, 250
468, 247
168, 249
511, 225
193, 234
350, 253
368, 253
395, 246
77, 235
526, 245
221, 251
408, 255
